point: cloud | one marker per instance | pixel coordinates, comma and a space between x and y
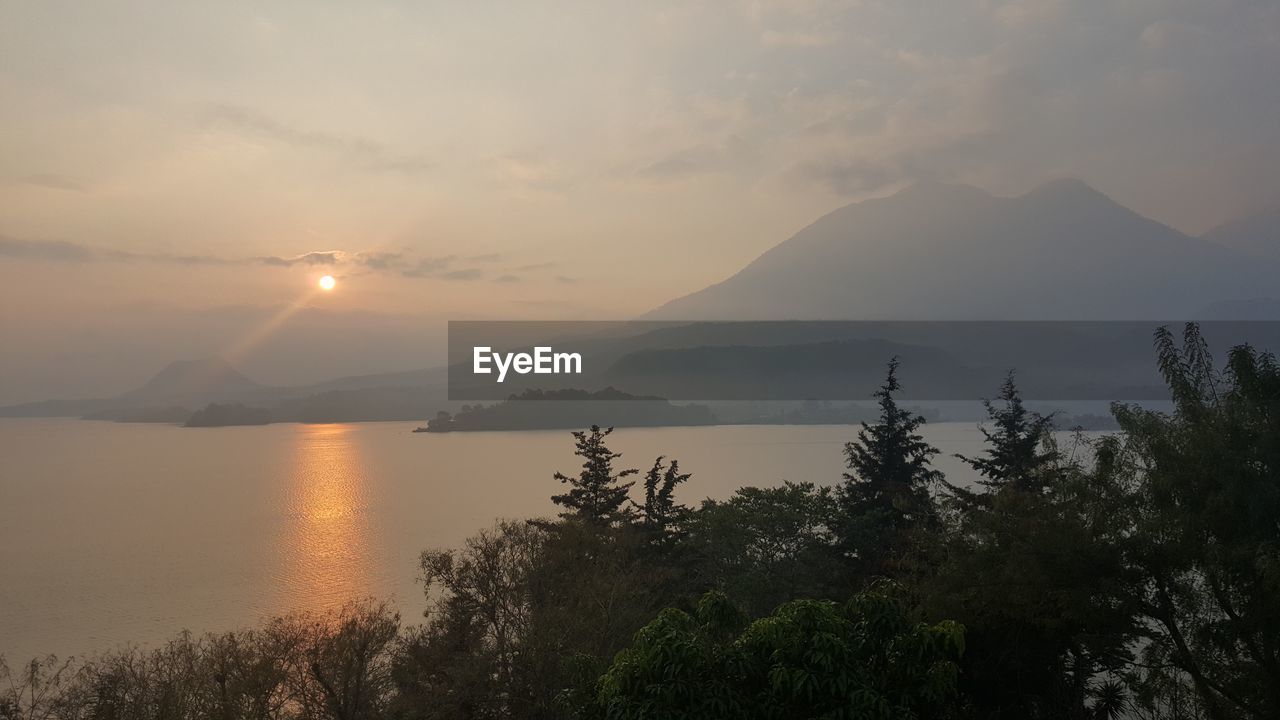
532, 267
783, 39
532, 172
318, 257
54, 181
507, 279
57, 251
780, 105
696, 161
463, 274
851, 176
381, 260
430, 266
373, 261
1141, 98
68, 252
361, 152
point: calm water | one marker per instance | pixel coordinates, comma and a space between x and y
114, 533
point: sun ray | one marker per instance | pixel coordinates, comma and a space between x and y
241, 347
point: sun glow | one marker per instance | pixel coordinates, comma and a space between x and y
327, 282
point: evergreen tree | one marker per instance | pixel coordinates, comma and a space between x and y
885, 495
1031, 570
1020, 453
597, 495
661, 514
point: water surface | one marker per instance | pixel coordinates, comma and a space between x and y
114, 533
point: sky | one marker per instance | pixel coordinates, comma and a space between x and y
175, 176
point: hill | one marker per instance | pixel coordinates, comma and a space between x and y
214, 381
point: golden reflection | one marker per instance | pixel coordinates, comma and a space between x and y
325, 544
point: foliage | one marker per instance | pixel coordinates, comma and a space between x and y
1020, 451
1030, 565
467, 661
885, 496
327, 667
37, 691
764, 546
524, 616
1036, 578
1202, 491
597, 495
809, 659
660, 515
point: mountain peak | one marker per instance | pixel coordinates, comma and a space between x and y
930, 189
1068, 188
194, 380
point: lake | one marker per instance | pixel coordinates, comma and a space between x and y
118, 533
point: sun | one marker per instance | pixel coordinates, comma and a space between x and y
327, 282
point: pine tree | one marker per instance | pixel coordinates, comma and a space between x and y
660, 512
597, 495
1020, 453
1026, 569
886, 491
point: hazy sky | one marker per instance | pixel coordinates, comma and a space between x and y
174, 173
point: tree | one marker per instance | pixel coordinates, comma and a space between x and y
1039, 582
660, 515
37, 690
809, 659
1031, 566
343, 668
1203, 501
329, 667
597, 495
1019, 451
885, 496
526, 616
765, 546
471, 659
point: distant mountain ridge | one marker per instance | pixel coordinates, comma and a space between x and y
191, 385
1257, 234
940, 251
934, 251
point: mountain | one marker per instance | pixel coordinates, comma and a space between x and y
193, 383
58, 408
952, 252
1257, 234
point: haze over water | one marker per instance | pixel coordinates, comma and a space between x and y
127, 533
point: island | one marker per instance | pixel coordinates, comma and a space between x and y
571, 408
215, 415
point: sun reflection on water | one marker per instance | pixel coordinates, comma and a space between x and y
326, 539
